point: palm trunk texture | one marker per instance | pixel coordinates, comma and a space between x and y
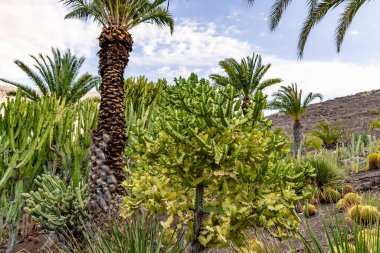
297, 133
108, 140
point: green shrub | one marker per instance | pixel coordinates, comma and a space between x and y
329, 176
227, 172
58, 207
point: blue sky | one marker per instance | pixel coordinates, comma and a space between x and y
207, 32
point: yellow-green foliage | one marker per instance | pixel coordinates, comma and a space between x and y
340, 205
351, 199
330, 195
169, 237
374, 161
309, 210
252, 246
346, 248
364, 214
200, 139
347, 189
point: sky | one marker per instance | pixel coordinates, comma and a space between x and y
206, 32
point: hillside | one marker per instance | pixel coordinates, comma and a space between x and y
355, 113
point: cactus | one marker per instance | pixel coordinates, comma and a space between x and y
373, 161
347, 189
351, 199
56, 206
330, 195
309, 210
340, 205
364, 214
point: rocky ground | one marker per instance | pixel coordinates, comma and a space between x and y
354, 113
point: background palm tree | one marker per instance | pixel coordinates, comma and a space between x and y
317, 10
290, 101
245, 76
117, 18
58, 75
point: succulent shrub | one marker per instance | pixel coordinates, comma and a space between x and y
340, 205
58, 207
329, 175
227, 172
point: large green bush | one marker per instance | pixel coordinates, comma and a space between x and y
206, 166
46, 136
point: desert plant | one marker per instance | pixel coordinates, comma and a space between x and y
329, 134
245, 76
347, 189
328, 172
351, 199
330, 195
58, 207
289, 100
117, 18
58, 75
343, 238
140, 234
364, 214
46, 136
373, 161
309, 210
200, 145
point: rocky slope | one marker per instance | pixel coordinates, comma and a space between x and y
355, 113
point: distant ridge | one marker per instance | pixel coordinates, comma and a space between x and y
355, 113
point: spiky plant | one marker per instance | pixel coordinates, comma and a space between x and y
116, 18
245, 76
57, 75
290, 101
329, 134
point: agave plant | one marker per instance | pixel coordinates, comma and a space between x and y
58, 75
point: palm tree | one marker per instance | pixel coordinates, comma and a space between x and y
329, 134
290, 101
317, 10
117, 18
245, 76
58, 75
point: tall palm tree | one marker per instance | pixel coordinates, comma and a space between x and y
117, 18
58, 75
290, 101
245, 76
317, 10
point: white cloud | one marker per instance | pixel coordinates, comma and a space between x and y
33, 26
29, 27
191, 44
353, 33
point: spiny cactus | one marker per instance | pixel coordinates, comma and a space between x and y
340, 205
330, 195
374, 161
56, 206
309, 210
347, 189
352, 199
364, 214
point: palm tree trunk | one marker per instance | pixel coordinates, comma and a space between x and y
108, 140
245, 105
196, 246
297, 134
